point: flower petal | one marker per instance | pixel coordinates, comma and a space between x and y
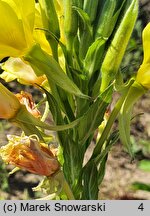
146, 43
17, 69
143, 75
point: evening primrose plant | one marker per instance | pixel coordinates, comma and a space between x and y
71, 50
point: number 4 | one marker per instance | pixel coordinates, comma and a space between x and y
141, 207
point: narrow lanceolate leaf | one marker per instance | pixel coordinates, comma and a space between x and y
90, 7
46, 64
134, 93
23, 116
78, 3
49, 17
73, 162
112, 139
102, 157
57, 116
107, 17
54, 108
85, 32
124, 129
51, 23
94, 116
94, 56
90, 181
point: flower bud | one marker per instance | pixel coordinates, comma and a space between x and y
116, 50
27, 153
9, 104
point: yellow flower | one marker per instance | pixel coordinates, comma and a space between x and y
143, 75
16, 24
9, 104
146, 43
29, 154
15, 68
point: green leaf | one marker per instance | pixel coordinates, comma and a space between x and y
124, 130
86, 32
101, 159
54, 108
85, 18
51, 23
102, 169
55, 38
49, 17
135, 91
90, 7
141, 186
73, 162
64, 100
57, 115
94, 116
104, 23
47, 65
94, 56
108, 16
144, 165
109, 143
90, 181
23, 116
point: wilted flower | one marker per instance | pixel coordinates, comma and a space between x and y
9, 104
16, 24
28, 153
27, 100
143, 75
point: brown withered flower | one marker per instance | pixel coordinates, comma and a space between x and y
28, 153
26, 99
